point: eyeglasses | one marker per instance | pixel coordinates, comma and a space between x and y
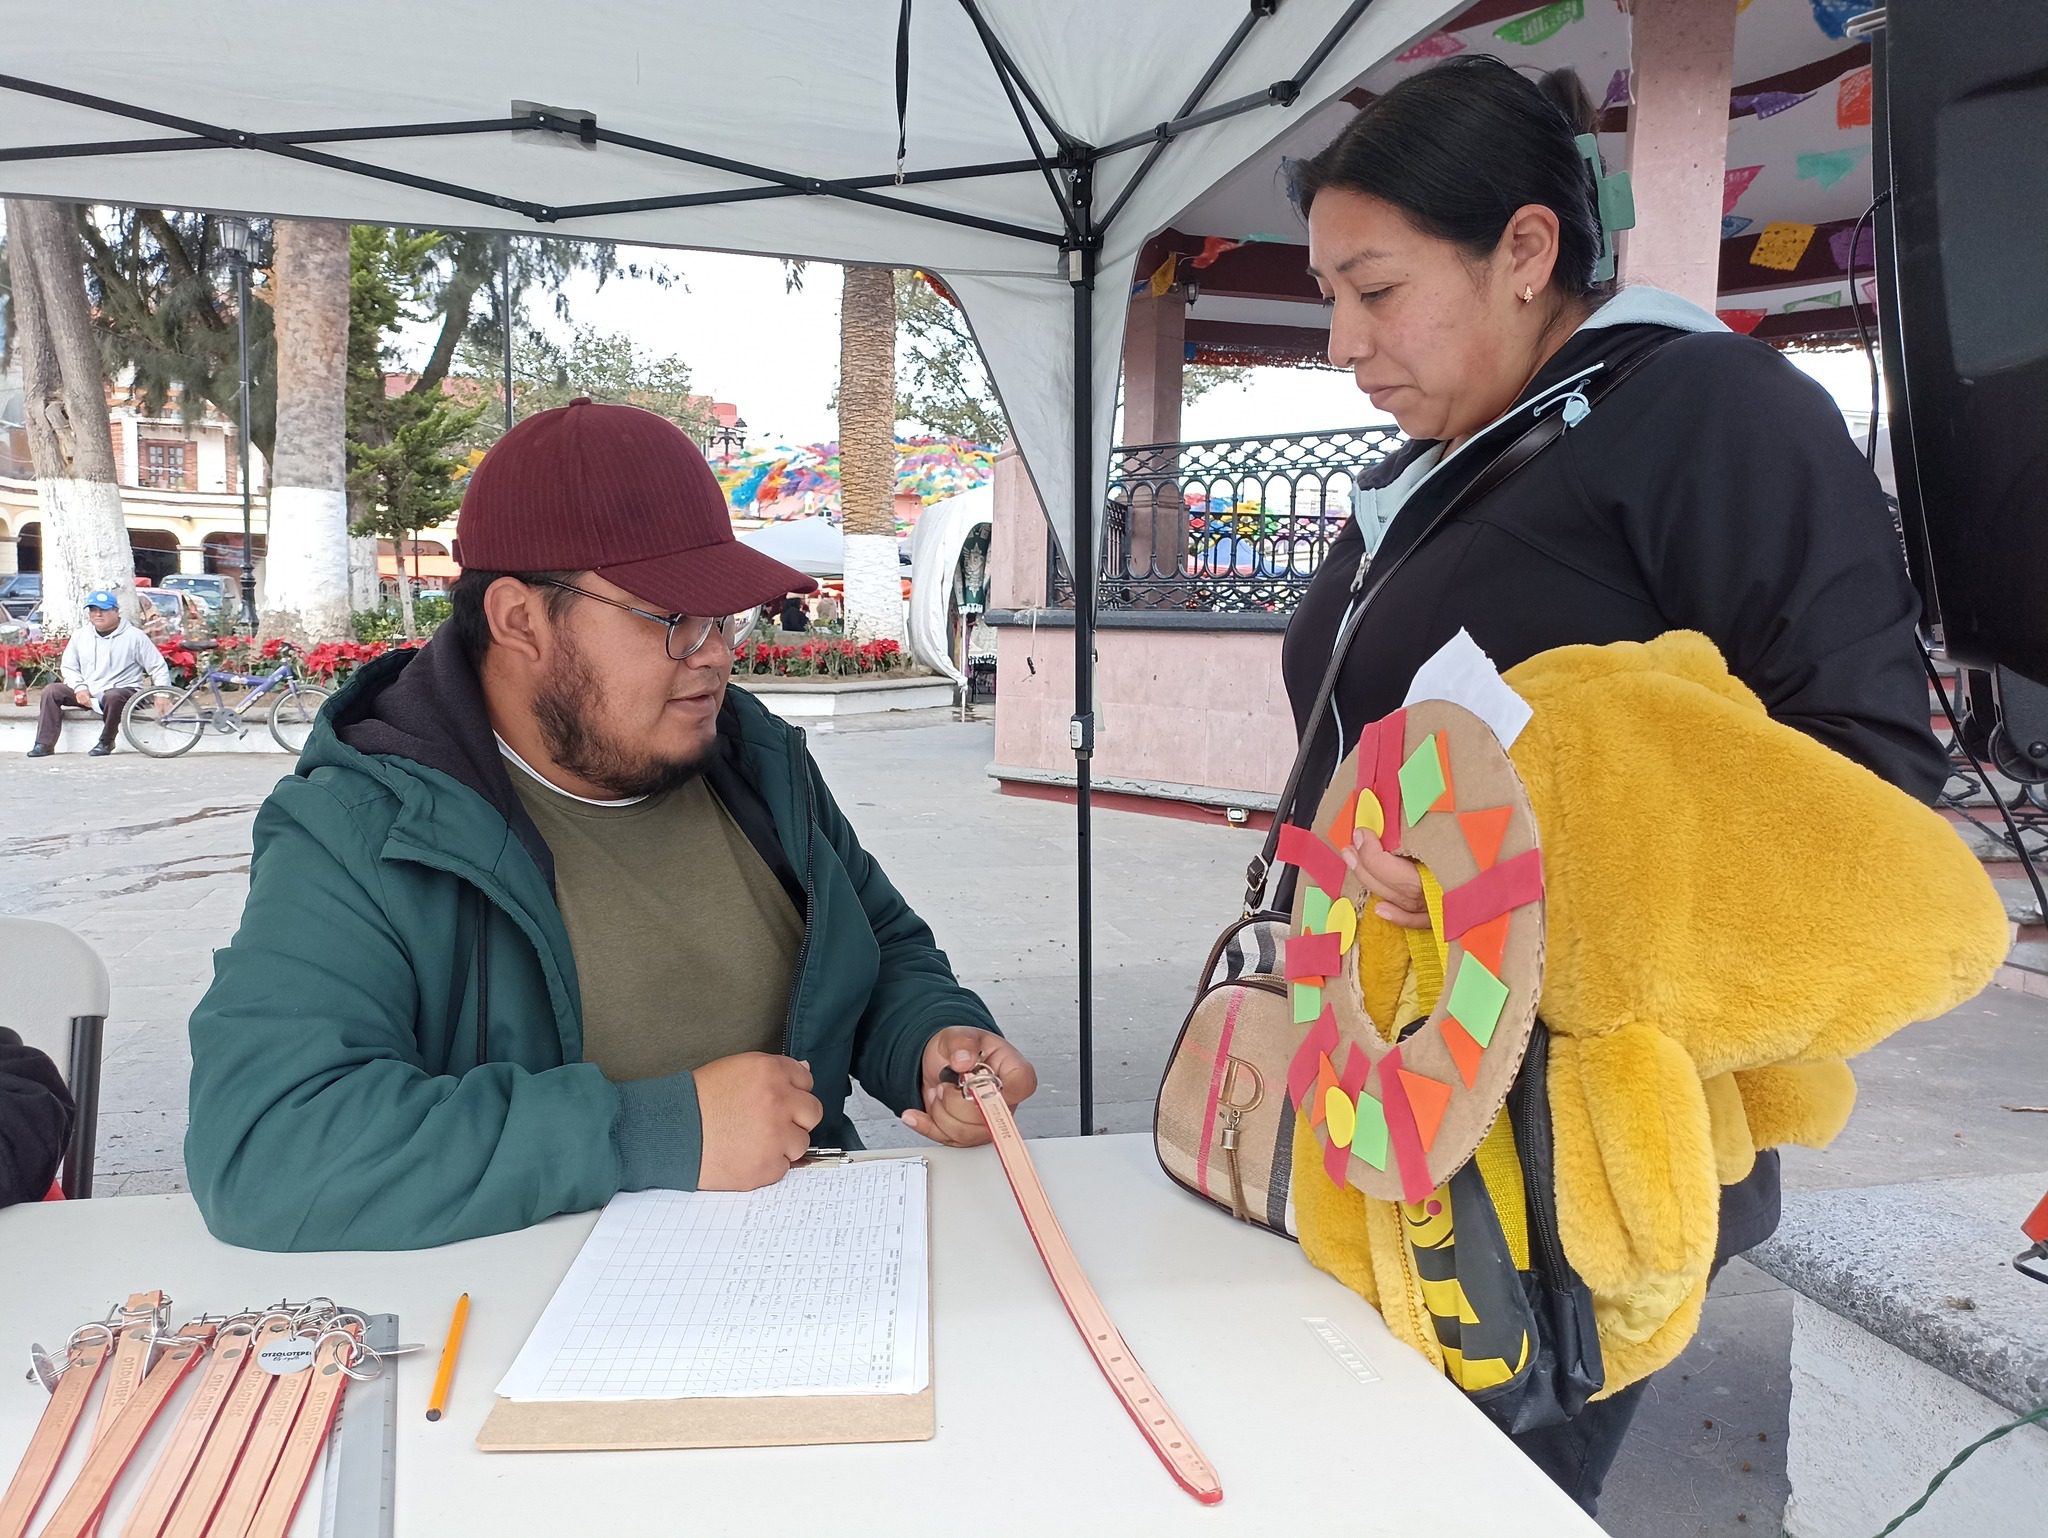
687, 633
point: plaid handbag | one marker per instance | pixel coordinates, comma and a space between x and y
1223, 1126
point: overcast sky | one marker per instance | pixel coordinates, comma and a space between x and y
775, 355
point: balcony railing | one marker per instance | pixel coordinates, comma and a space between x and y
1230, 525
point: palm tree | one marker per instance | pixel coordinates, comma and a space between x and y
306, 562
867, 452
85, 537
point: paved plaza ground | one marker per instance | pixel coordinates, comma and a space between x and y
149, 861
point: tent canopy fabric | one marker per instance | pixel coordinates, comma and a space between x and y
688, 101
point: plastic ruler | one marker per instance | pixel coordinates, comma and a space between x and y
357, 1490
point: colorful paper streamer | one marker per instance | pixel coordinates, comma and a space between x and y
1781, 245
1734, 183
1542, 24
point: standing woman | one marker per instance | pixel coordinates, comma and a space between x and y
1454, 230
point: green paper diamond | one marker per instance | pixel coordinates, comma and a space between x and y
1369, 1139
1477, 998
1422, 780
1315, 909
1308, 1003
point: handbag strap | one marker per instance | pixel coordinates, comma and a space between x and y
1533, 440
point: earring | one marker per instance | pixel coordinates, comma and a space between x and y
1528, 292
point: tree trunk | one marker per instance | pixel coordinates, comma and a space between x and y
867, 453
85, 536
306, 562
363, 593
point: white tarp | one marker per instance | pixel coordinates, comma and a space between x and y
814, 546
935, 545
799, 86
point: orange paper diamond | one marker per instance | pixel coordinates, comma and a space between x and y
1487, 941
1465, 1051
1428, 1100
1484, 832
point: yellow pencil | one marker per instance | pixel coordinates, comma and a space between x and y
446, 1375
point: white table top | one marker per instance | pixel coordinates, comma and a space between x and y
1026, 1427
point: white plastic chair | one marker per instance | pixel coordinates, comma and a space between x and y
57, 999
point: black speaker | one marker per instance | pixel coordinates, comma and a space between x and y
1961, 140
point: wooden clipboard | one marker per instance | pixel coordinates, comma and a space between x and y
628, 1425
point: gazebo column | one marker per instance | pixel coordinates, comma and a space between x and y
1682, 67
1153, 537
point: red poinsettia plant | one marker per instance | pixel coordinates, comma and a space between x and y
33, 663
817, 659
334, 662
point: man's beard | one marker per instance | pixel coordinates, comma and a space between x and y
565, 707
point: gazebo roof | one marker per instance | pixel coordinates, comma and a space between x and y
1798, 167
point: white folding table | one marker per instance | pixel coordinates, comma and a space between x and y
1317, 1420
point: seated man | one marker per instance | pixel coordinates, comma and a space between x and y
102, 670
548, 910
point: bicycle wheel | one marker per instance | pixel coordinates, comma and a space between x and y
163, 722
291, 718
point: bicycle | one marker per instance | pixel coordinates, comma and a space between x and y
166, 720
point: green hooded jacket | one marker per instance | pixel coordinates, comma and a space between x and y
391, 1054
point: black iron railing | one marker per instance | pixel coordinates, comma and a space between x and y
1231, 525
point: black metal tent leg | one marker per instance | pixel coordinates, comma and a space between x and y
1082, 274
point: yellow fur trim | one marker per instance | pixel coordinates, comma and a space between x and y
1734, 1148
1807, 1103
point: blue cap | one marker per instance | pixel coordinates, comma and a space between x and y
100, 598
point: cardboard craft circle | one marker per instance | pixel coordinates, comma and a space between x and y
1437, 780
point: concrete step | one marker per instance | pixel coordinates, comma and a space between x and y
18, 735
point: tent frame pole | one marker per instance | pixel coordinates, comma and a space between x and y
1081, 260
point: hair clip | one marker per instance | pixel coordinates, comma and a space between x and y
1617, 204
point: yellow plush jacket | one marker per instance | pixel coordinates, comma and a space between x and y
1732, 910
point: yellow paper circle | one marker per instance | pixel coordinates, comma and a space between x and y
1343, 923
1370, 816
1341, 1115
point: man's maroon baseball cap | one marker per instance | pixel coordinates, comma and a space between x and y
621, 492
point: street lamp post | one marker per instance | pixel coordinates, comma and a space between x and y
237, 243
730, 440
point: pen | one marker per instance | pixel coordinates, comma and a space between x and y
446, 1373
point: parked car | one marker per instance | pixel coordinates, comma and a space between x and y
21, 584
23, 628
171, 614
212, 586
15, 608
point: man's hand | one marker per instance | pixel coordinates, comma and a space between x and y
83, 697
948, 1116
758, 1112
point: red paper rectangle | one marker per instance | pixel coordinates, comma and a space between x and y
1408, 1154
1314, 956
1301, 1073
1386, 779
1313, 858
1491, 893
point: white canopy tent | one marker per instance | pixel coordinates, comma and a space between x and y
1021, 149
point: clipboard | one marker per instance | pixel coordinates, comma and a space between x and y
629, 1425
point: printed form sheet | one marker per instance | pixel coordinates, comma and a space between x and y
819, 1284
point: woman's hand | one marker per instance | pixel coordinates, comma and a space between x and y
1391, 878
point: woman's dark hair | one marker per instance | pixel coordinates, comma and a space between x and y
466, 617
1462, 145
